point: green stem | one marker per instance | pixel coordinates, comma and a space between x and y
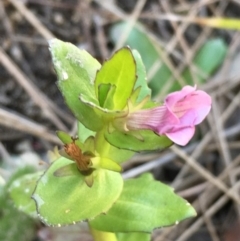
102, 236
102, 146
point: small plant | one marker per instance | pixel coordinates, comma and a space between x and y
116, 118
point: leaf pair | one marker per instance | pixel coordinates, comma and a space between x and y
141, 205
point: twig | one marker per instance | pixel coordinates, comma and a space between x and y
195, 190
204, 173
31, 18
22, 124
37, 96
181, 40
210, 193
208, 221
211, 211
131, 22
221, 140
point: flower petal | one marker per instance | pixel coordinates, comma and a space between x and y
194, 117
176, 96
198, 99
181, 136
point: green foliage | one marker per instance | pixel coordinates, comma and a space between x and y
144, 205
105, 149
21, 191
144, 140
76, 70
67, 200
134, 236
107, 163
119, 71
91, 188
67, 139
208, 59
141, 78
14, 224
64, 137
146, 49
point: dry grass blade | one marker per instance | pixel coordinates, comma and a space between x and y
32, 19
153, 164
221, 140
208, 221
195, 190
209, 195
22, 124
205, 174
37, 96
209, 212
112, 8
198, 43
181, 40
131, 22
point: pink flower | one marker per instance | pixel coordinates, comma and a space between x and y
176, 118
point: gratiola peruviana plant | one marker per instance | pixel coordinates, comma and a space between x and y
116, 118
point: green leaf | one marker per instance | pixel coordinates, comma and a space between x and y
75, 56
144, 140
106, 115
15, 224
106, 163
141, 78
76, 70
67, 139
144, 205
147, 50
21, 191
67, 200
89, 145
103, 90
208, 59
119, 71
65, 170
64, 137
133, 236
106, 93
106, 150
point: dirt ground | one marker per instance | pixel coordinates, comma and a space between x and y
32, 108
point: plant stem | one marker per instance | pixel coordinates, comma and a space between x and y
102, 146
102, 236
